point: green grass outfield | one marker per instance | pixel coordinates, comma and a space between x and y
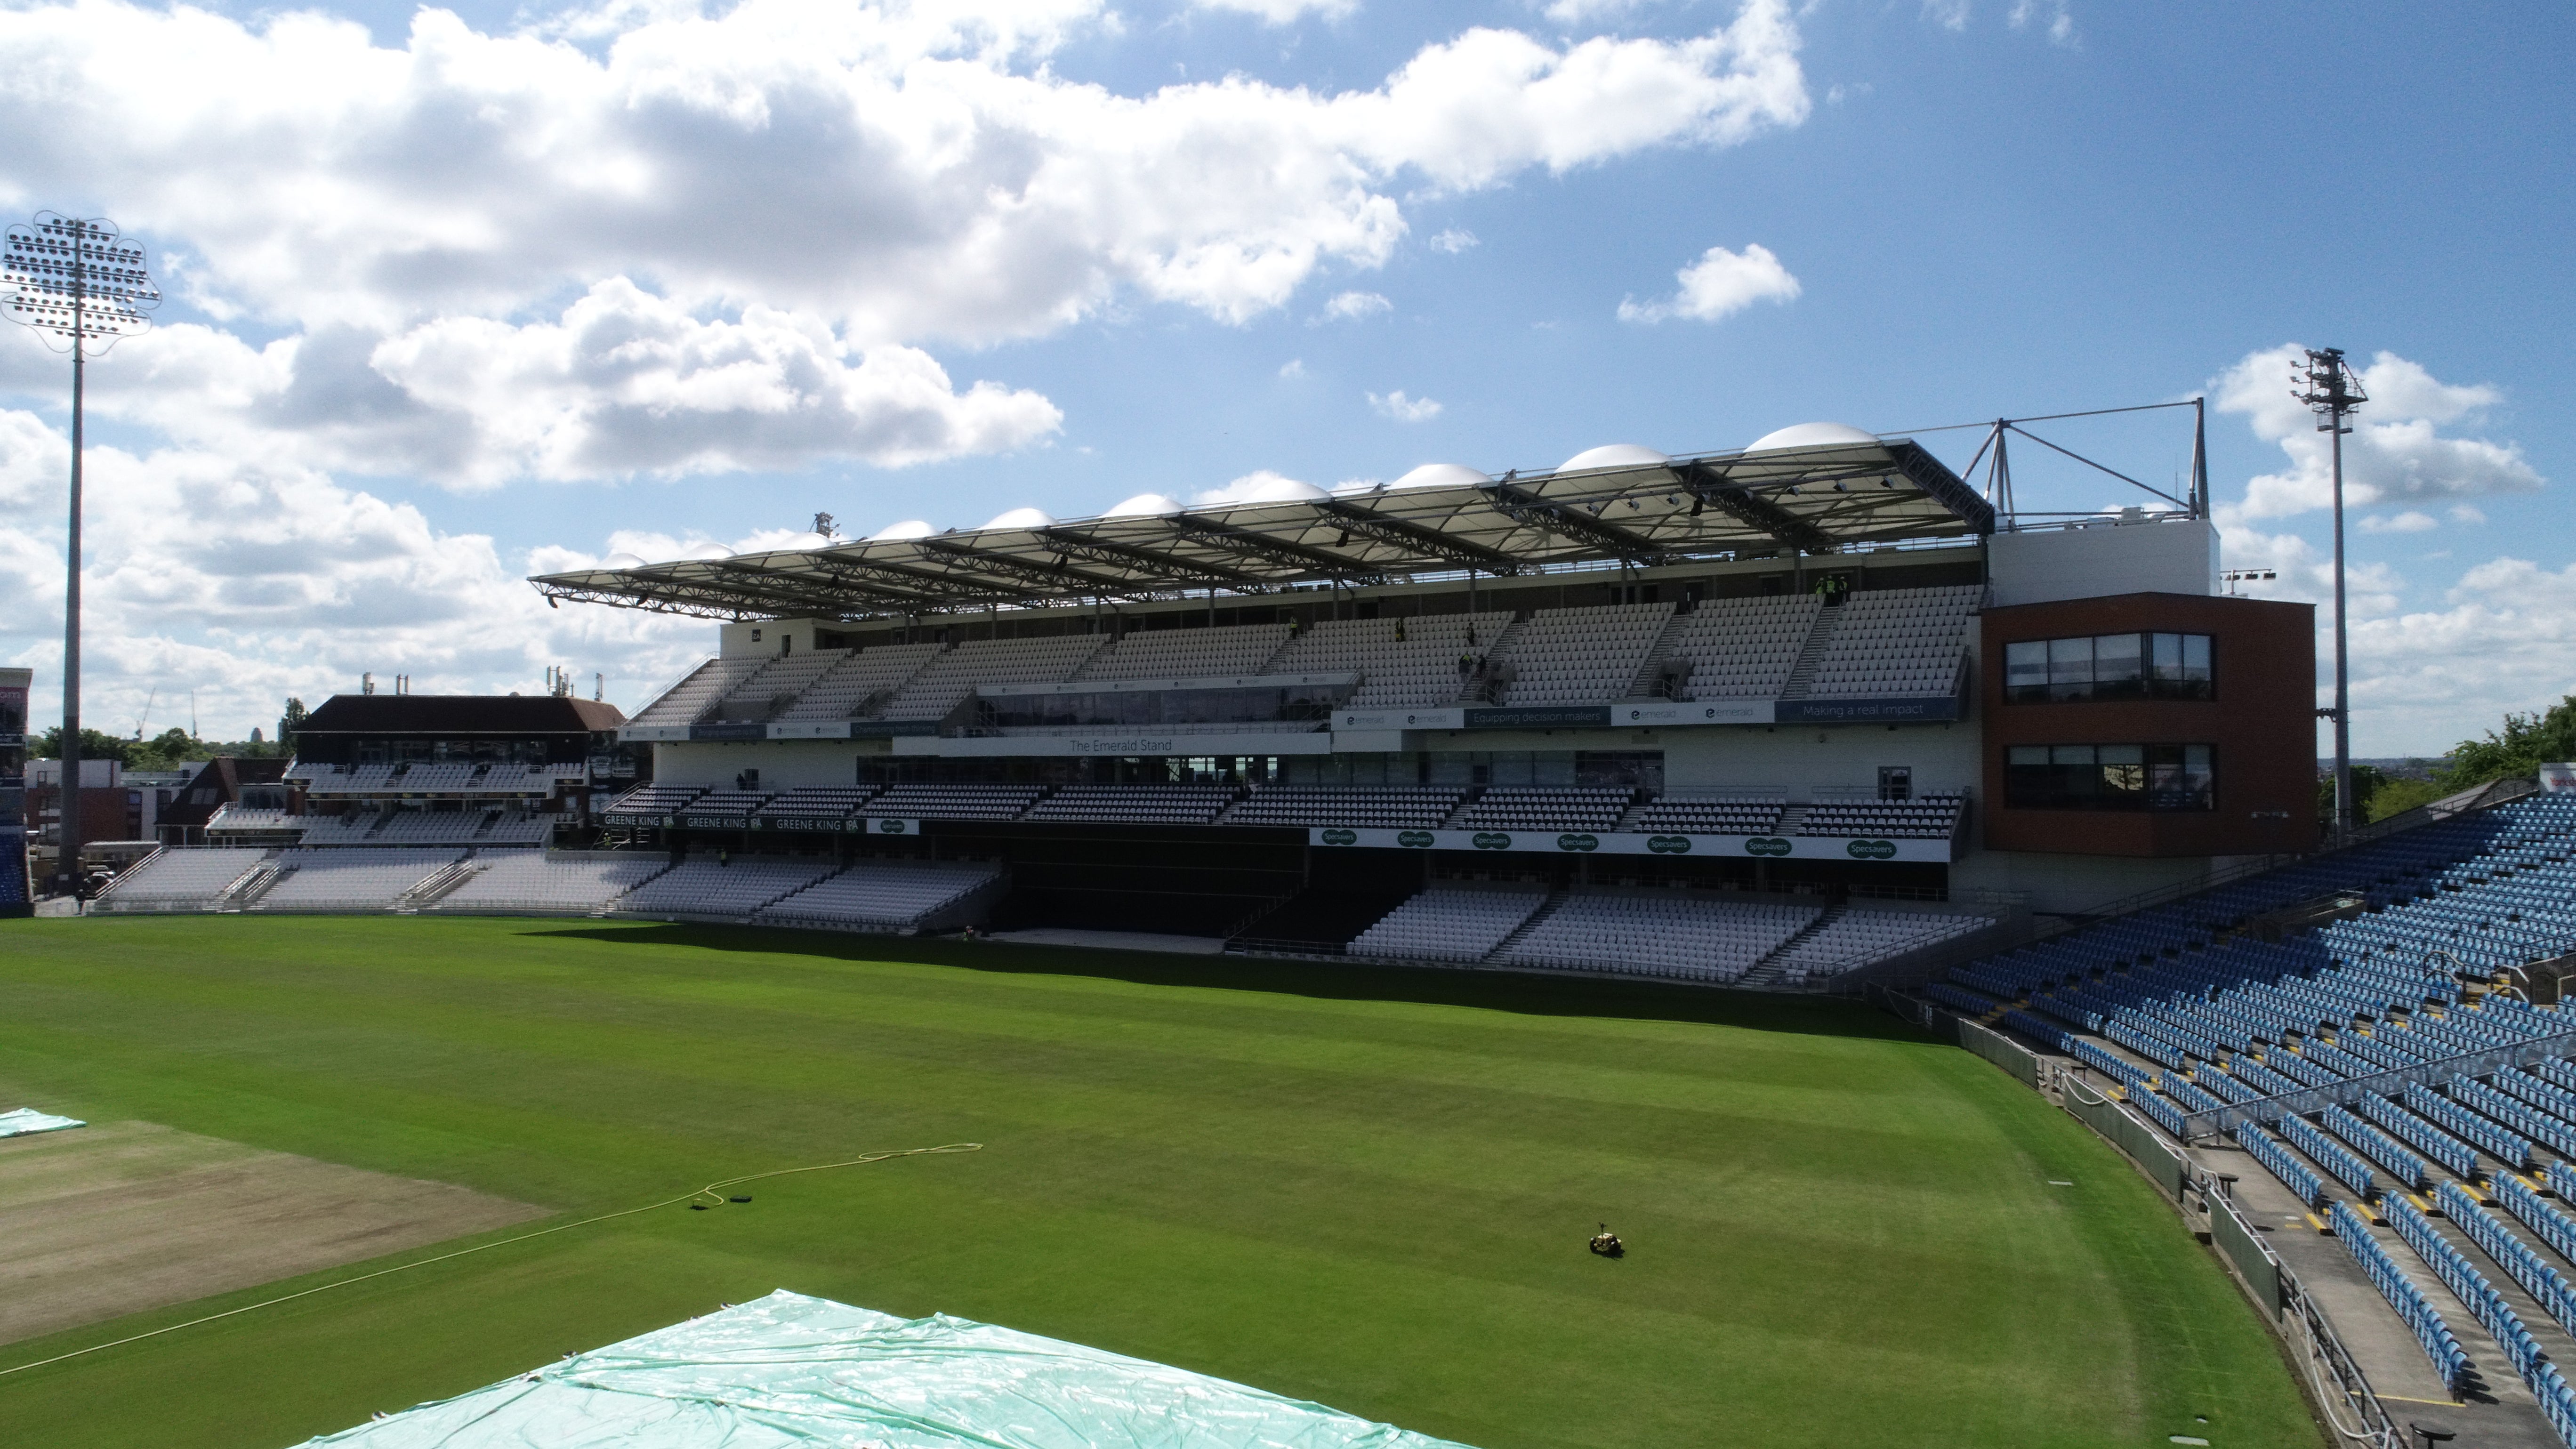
1370, 1189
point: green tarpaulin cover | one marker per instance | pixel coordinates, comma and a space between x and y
27, 1119
793, 1370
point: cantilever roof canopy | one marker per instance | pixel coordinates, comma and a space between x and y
1813, 489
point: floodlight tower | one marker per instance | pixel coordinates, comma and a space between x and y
81, 287
2331, 391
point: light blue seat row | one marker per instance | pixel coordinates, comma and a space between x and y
2379, 1147
2339, 1162
2420, 1316
2295, 1175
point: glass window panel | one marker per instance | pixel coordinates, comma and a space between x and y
2027, 755
2195, 656
2026, 670
2119, 670
2168, 656
2070, 754
2071, 659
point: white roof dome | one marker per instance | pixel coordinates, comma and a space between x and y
1441, 475
909, 528
621, 561
1813, 435
1024, 518
1612, 455
1145, 505
1280, 490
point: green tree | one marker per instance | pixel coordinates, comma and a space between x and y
94, 746
2526, 742
2399, 796
166, 751
2367, 782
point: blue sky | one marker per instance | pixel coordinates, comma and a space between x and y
393, 380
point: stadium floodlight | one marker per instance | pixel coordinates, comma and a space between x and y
80, 287
2331, 391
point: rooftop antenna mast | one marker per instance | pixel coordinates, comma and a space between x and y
2331, 391
80, 287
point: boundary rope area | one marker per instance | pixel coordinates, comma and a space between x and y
713, 1190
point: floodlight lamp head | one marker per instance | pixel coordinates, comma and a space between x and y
75, 282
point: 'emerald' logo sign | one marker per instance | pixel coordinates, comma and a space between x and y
1492, 840
1341, 837
890, 827
1572, 841
1414, 839
1767, 845
1669, 844
1872, 849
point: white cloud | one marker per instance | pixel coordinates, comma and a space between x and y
1349, 306
2051, 16
1293, 368
2054, 18
2424, 680
1453, 241
1586, 12
627, 383
1283, 12
1256, 487
248, 583
906, 171
1404, 409
2408, 522
2395, 454
1720, 284
2462, 513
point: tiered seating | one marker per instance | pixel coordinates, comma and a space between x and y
1394, 807
1449, 923
859, 684
322, 780
956, 802
2543, 1282
885, 893
1215, 653
2295, 1175
945, 682
1581, 656
1713, 814
1857, 938
397, 826
653, 800
1408, 663
817, 804
178, 877
1925, 817
233, 819
537, 881
1688, 937
768, 691
351, 880
1891, 642
734, 803
2467, 1284
1144, 804
731, 891
2440, 1344
1517, 807
688, 701
1742, 648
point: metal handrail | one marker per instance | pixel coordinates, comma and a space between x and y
2198, 1126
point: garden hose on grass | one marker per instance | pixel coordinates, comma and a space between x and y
710, 1195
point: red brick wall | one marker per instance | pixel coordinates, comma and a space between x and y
2262, 723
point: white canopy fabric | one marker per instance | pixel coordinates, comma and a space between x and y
793, 1370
